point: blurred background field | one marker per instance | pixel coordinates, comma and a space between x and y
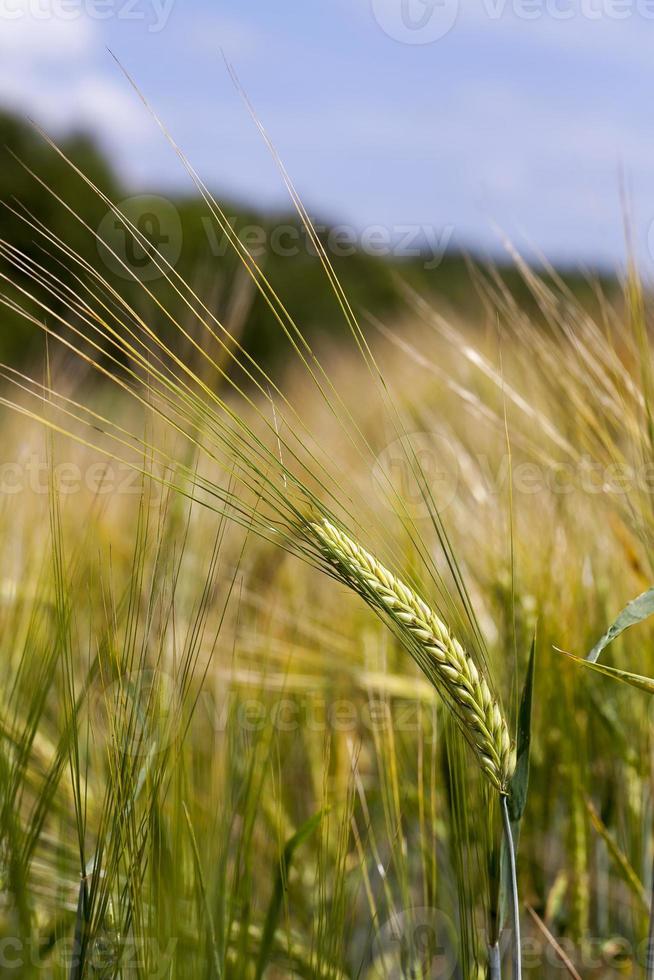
375, 279
184, 699
215, 760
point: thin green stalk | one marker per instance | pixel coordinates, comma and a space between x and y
80, 938
649, 966
517, 962
215, 952
494, 962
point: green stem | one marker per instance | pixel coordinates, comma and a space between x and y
494, 962
82, 923
517, 962
649, 966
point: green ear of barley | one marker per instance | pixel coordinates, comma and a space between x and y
434, 648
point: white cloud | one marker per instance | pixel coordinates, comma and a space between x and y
49, 70
29, 30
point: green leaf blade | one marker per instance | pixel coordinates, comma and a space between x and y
638, 681
520, 780
279, 890
640, 608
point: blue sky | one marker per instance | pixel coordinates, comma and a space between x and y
513, 116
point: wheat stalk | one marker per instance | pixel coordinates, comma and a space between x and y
432, 645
